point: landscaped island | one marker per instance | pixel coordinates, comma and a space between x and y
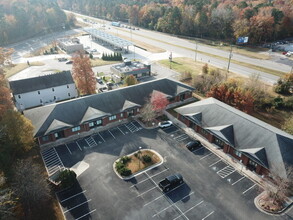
133, 163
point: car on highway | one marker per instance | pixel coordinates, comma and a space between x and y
103, 89
165, 124
69, 62
192, 145
62, 59
171, 182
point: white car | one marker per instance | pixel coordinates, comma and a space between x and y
165, 124
289, 53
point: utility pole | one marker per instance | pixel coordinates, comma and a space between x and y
170, 59
230, 56
195, 55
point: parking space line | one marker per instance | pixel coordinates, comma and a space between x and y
49, 156
52, 161
223, 168
187, 196
147, 191
68, 149
208, 215
78, 146
197, 149
58, 157
206, 156
190, 209
248, 189
162, 210
172, 131
238, 180
179, 136
120, 130
85, 214
163, 195
151, 177
111, 134
101, 137
214, 163
77, 206
72, 196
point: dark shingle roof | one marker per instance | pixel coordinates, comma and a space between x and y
249, 132
41, 82
77, 111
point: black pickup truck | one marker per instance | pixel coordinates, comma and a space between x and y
171, 182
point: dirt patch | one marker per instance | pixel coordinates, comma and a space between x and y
137, 163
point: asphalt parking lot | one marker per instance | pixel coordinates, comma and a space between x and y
212, 189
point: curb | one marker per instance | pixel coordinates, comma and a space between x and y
141, 171
277, 213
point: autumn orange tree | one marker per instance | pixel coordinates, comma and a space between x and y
83, 74
159, 101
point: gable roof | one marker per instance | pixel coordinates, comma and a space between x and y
41, 82
249, 132
224, 132
258, 154
57, 125
80, 110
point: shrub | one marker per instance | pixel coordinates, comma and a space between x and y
278, 102
125, 172
205, 69
119, 165
136, 155
146, 158
67, 178
125, 160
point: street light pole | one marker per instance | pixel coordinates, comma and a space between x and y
230, 56
139, 154
195, 55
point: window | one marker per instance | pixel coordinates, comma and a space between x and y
39, 92
45, 138
237, 153
171, 99
219, 142
91, 124
204, 132
99, 122
19, 96
69, 94
137, 110
75, 129
54, 97
112, 117
56, 135
53, 89
67, 86
121, 115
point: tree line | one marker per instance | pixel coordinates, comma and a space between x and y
24, 19
260, 20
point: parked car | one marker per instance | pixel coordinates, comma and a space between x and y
62, 59
69, 62
165, 124
103, 89
192, 145
171, 182
289, 53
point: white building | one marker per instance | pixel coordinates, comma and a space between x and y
70, 45
42, 90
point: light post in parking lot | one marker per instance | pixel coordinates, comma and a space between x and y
139, 155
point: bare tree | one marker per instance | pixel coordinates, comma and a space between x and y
147, 113
30, 186
7, 200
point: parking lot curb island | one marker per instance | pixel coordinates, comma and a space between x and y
141, 171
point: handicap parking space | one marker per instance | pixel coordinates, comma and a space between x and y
106, 135
98, 138
75, 204
74, 147
116, 132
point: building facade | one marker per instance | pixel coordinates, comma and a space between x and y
61, 120
258, 146
43, 90
137, 69
70, 45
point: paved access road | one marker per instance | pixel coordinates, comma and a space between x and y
212, 189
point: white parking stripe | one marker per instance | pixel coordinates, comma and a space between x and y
151, 177
162, 210
121, 131
73, 196
190, 209
111, 134
208, 215
85, 214
248, 189
197, 149
78, 146
206, 156
147, 191
58, 157
78, 205
179, 136
214, 163
101, 137
68, 149
238, 180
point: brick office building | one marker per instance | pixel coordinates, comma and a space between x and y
258, 145
68, 118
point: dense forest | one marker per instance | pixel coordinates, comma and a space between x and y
21, 19
261, 20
